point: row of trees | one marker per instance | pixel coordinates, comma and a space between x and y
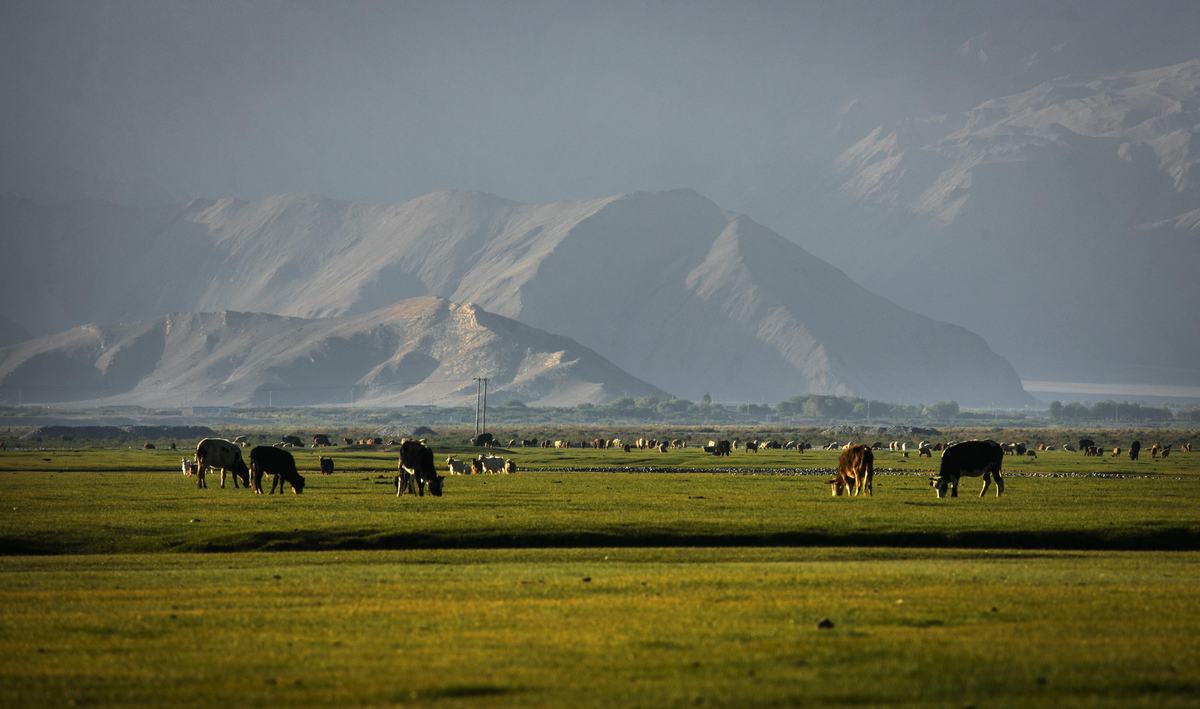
839, 408
818, 407
1116, 411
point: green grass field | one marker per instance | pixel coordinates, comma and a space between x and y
122, 584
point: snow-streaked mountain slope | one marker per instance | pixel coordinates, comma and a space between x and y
418, 351
666, 285
1060, 223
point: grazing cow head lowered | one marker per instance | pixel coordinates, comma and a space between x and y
277, 463
417, 470
855, 471
969, 459
223, 455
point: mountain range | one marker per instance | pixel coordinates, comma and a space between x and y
667, 286
1062, 223
418, 351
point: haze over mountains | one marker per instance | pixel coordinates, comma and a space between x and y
1061, 223
417, 351
667, 286
1025, 170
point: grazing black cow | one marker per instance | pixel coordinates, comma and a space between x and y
277, 463
326, 466
1085, 443
416, 469
722, 448
483, 439
293, 441
222, 455
320, 439
970, 459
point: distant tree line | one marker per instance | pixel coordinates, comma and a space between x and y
1108, 411
804, 407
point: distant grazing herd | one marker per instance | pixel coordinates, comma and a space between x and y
853, 476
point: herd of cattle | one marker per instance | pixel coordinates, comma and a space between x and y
968, 459
853, 476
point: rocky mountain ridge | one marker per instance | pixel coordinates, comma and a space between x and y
418, 351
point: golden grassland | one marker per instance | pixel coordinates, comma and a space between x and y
121, 583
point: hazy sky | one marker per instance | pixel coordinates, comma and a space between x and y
156, 101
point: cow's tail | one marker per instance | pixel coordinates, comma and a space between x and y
869, 461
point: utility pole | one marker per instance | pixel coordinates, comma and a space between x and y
478, 384
484, 424
481, 384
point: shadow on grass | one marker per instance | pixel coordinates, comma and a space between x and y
1164, 540
1160, 539
455, 691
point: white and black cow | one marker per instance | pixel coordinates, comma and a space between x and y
718, 447
969, 459
417, 470
223, 455
277, 463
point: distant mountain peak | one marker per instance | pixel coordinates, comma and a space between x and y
414, 351
666, 285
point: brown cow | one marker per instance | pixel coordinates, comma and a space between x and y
856, 467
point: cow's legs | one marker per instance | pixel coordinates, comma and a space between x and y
200, 476
999, 484
276, 480
222, 478
987, 480
954, 489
